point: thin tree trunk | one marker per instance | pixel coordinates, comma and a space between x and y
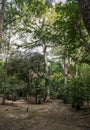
77, 70
5, 84
2, 10
65, 71
4, 96
47, 98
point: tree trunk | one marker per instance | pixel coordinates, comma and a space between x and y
5, 83
85, 12
36, 97
65, 71
47, 98
77, 70
4, 96
2, 10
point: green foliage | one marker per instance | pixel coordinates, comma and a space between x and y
55, 84
38, 23
77, 92
85, 75
38, 88
27, 69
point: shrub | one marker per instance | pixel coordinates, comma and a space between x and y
77, 93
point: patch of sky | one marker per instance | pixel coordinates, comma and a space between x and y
56, 1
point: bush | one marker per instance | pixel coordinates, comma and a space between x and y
77, 93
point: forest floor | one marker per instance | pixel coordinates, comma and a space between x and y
48, 116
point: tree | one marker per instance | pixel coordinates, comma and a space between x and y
32, 22
39, 29
29, 68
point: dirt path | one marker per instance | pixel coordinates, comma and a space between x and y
53, 116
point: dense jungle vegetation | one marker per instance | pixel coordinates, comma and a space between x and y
44, 57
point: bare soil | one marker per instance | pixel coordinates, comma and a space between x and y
48, 116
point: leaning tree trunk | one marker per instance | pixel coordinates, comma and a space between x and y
85, 11
2, 10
